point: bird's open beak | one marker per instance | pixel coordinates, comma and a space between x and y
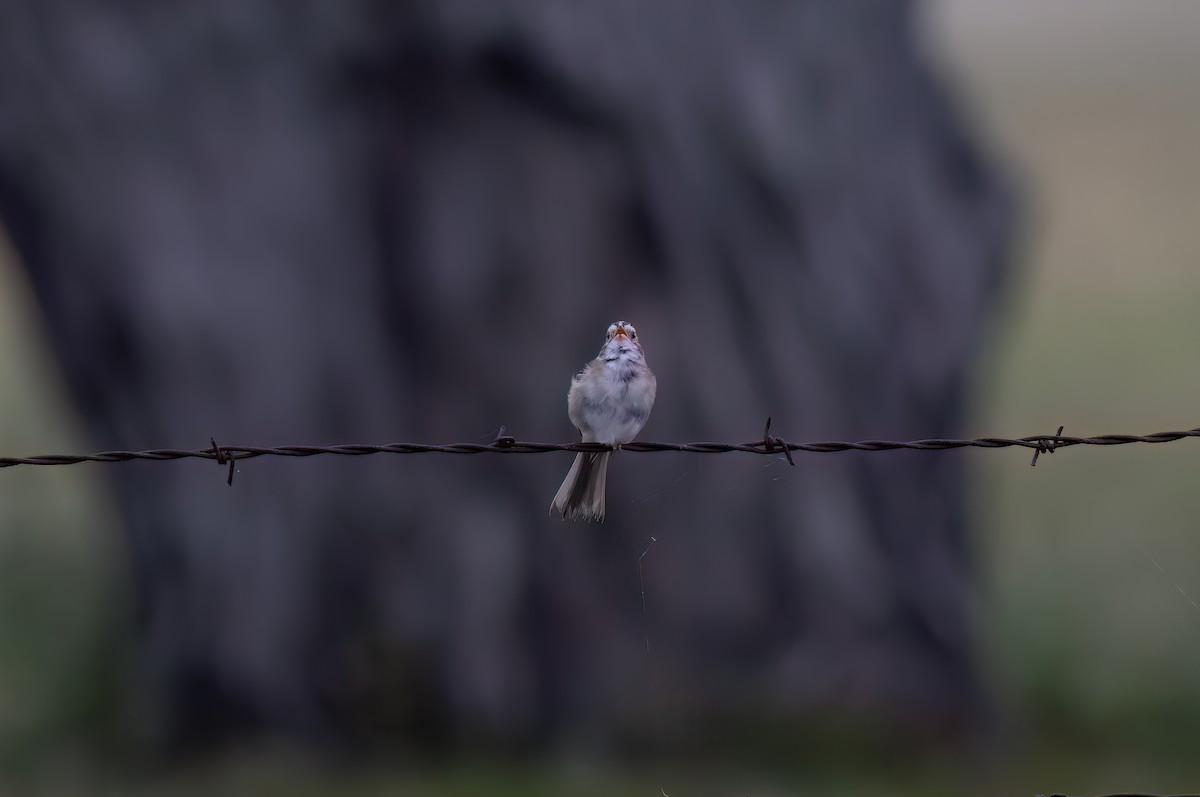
620, 333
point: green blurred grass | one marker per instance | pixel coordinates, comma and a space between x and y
1087, 635
1091, 561
58, 560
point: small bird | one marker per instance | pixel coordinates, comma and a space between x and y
609, 402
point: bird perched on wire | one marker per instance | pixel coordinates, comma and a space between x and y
609, 402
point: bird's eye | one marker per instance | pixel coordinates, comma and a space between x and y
632, 334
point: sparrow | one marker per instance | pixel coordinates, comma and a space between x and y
609, 402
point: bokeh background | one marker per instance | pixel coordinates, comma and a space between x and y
1087, 565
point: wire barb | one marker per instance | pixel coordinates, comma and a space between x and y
222, 458
1046, 445
503, 438
770, 444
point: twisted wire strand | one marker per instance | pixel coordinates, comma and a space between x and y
508, 445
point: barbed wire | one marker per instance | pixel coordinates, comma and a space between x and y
506, 444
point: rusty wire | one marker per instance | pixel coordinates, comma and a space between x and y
505, 444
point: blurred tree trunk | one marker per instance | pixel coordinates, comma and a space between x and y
337, 222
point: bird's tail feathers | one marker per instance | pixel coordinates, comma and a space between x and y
582, 492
